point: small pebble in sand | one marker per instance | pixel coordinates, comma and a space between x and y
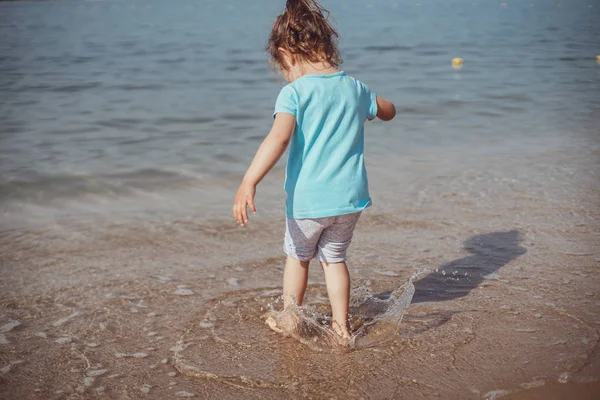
6, 369
134, 355
163, 278
96, 372
534, 384
141, 304
526, 330
88, 381
233, 282
151, 314
152, 333
185, 394
183, 292
100, 389
564, 377
538, 315
59, 392
64, 320
63, 340
177, 348
505, 307
102, 326
387, 273
9, 326
522, 289
164, 361
113, 376
206, 324
495, 394
172, 383
558, 343
145, 388
42, 335
3, 339
172, 374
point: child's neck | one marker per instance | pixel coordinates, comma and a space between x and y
307, 68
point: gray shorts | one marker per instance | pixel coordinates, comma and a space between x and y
328, 238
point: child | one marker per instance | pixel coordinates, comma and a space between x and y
321, 115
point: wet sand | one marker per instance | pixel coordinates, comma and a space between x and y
168, 308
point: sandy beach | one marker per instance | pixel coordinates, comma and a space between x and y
154, 309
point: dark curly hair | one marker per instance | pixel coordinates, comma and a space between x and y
304, 30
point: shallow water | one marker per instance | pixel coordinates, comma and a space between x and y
373, 321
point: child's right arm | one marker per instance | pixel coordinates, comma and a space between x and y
269, 152
386, 111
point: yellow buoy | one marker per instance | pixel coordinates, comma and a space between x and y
598, 59
457, 63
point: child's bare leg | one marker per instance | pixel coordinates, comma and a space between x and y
295, 279
337, 279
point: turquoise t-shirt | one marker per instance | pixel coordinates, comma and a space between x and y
326, 174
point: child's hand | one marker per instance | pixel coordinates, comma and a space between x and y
243, 198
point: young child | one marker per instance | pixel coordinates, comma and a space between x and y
320, 114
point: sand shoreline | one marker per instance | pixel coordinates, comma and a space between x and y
532, 322
106, 310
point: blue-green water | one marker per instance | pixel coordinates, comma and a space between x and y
103, 101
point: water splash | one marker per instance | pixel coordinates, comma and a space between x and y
374, 319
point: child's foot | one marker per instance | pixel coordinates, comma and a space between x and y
341, 330
273, 325
286, 322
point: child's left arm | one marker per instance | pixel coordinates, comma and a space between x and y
269, 152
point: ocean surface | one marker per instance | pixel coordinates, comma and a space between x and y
132, 108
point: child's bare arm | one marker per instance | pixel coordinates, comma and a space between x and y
386, 110
269, 152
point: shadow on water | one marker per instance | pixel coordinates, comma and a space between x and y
457, 278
